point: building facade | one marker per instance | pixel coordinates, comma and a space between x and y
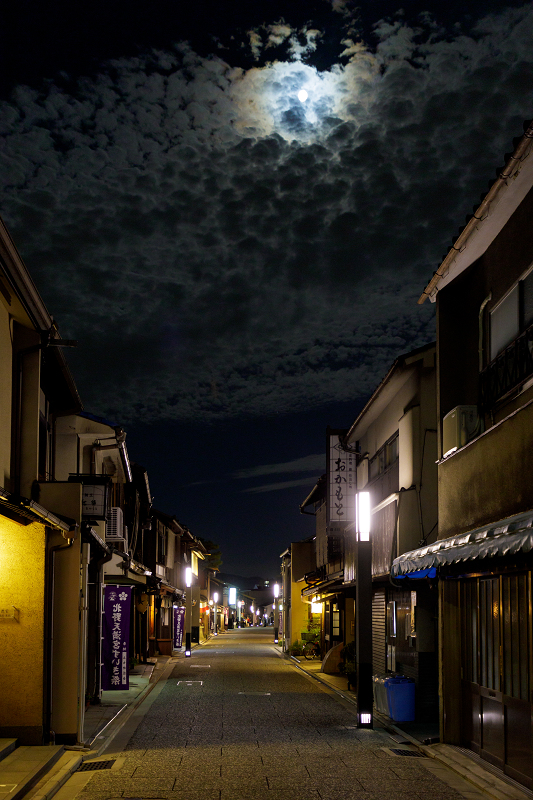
41, 628
484, 296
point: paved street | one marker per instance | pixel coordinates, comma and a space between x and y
238, 722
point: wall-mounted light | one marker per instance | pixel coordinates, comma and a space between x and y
316, 606
188, 577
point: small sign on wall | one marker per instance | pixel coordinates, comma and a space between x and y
9, 613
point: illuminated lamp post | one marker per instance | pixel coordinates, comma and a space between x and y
188, 611
232, 601
276, 625
363, 611
215, 609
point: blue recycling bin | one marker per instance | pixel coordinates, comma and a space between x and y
401, 698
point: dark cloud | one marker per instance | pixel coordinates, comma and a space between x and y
220, 248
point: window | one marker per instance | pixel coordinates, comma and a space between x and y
384, 458
511, 316
161, 545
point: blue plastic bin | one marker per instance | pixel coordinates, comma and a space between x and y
401, 697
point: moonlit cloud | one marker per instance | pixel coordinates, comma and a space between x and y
220, 248
276, 487
312, 463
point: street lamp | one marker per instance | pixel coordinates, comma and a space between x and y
276, 627
188, 611
363, 611
215, 598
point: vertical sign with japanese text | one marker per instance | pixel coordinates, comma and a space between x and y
341, 480
179, 619
116, 638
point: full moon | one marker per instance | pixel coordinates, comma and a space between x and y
302, 95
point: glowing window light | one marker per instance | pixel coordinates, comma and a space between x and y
363, 516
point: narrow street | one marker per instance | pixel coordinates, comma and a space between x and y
238, 721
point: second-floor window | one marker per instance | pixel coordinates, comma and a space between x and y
512, 315
162, 547
384, 458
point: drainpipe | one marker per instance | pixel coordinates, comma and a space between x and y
120, 445
481, 337
49, 735
82, 641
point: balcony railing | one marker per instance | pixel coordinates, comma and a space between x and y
508, 370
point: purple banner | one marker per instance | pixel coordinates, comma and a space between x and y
179, 619
116, 638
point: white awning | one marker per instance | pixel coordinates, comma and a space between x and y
504, 538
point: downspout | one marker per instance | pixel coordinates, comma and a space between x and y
82, 642
481, 337
49, 735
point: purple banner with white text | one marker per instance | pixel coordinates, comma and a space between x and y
116, 638
179, 619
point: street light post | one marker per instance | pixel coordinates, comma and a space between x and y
188, 611
363, 612
276, 625
215, 608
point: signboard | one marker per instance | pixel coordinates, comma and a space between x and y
341, 482
116, 638
177, 629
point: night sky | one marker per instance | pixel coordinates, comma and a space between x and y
240, 267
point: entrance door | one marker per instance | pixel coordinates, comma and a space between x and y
496, 669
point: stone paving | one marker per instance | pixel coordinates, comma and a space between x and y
237, 722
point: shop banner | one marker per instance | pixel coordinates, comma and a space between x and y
179, 619
116, 638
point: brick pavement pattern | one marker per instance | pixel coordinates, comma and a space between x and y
237, 722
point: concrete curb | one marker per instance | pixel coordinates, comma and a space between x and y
71, 760
56, 777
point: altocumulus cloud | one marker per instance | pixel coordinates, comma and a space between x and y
221, 248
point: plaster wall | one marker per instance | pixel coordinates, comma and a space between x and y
490, 478
6, 360
22, 584
30, 404
372, 436
299, 612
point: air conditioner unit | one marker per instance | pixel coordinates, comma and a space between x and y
459, 426
115, 524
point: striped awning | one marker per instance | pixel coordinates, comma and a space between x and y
504, 538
